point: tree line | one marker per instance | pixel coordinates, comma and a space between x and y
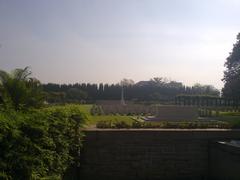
156, 89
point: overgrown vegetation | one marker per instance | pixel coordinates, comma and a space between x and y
39, 143
36, 142
19, 90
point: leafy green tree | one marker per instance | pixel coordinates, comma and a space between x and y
19, 90
76, 94
55, 97
205, 90
231, 78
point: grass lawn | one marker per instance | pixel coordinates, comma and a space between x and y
93, 119
233, 118
113, 118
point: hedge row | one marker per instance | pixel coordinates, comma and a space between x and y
166, 124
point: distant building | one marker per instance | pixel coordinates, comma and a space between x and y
143, 83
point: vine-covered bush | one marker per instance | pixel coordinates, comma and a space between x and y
41, 143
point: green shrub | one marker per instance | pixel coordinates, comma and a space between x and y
39, 143
104, 124
96, 110
121, 124
169, 124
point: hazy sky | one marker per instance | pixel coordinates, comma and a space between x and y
66, 41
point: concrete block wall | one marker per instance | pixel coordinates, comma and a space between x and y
149, 154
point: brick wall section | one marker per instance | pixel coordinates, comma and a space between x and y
224, 161
149, 154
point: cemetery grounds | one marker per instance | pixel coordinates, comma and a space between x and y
96, 118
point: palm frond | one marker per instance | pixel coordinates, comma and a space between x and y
22, 74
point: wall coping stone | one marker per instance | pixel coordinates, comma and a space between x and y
165, 129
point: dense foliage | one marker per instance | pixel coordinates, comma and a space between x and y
36, 142
20, 91
39, 143
232, 73
156, 89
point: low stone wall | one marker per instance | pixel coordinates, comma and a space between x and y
149, 154
224, 161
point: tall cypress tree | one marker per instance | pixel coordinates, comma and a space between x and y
231, 78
